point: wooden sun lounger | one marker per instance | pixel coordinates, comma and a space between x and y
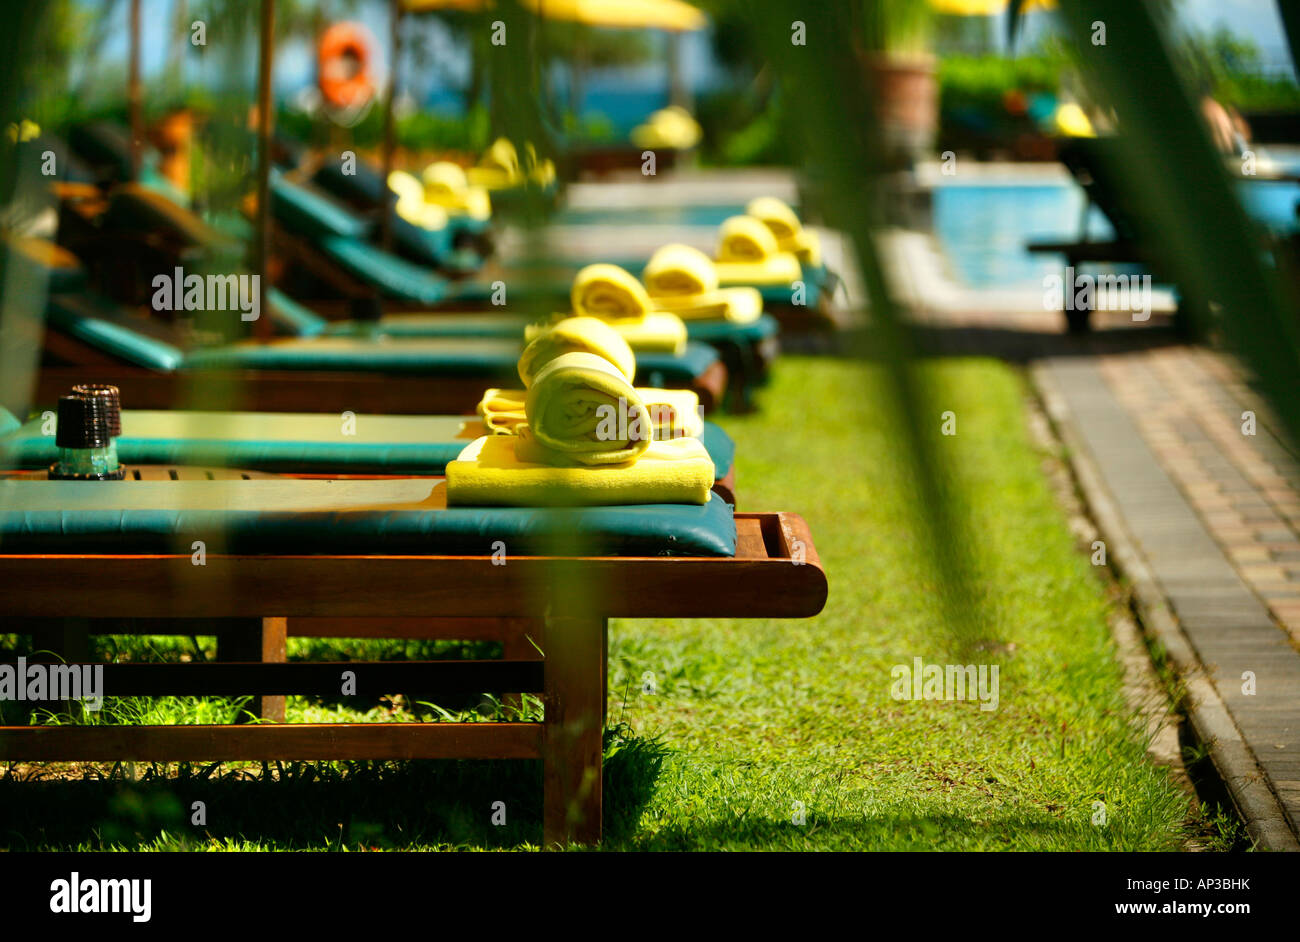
70, 361
774, 574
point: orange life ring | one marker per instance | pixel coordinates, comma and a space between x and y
343, 65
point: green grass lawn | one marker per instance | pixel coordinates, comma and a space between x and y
724, 733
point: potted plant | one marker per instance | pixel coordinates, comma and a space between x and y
900, 71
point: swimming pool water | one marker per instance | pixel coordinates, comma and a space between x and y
984, 227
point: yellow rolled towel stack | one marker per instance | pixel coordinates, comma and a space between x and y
748, 254
445, 185
586, 439
674, 413
499, 168
785, 226
682, 279
614, 295
411, 204
672, 127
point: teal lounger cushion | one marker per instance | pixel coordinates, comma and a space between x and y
140, 341
309, 213
394, 276
105, 327
406, 516
489, 324
491, 359
665, 370
293, 318
285, 441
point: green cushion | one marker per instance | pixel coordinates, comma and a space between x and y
470, 324
716, 332
295, 517
502, 324
292, 318
668, 371
284, 441
108, 329
394, 276
492, 360
312, 214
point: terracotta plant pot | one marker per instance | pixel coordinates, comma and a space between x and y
906, 91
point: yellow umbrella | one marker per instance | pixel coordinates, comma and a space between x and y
985, 7
671, 15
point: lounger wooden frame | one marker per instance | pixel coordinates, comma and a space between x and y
775, 574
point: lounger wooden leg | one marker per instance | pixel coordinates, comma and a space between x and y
64, 640
520, 640
264, 640
575, 697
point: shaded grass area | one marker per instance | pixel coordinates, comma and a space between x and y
726, 734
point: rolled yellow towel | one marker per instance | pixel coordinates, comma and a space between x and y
683, 280
500, 470
674, 413
748, 254
784, 224
672, 127
501, 169
582, 410
614, 295
576, 335
610, 293
445, 185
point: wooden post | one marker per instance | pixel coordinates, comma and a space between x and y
65, 640
390, 131
134, 118
262, 237
261, 641
572, 748
678, 94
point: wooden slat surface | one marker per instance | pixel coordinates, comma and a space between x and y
290, 743
372, 678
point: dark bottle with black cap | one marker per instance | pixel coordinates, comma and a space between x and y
112, 400
84, 436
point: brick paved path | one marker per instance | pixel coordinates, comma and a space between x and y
1216, 513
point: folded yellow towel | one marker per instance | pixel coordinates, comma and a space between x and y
576, 335
783, 223
499, 168
682, 279
497, 470
445, 185
583, 410
502, 410
748, 254
674, 413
